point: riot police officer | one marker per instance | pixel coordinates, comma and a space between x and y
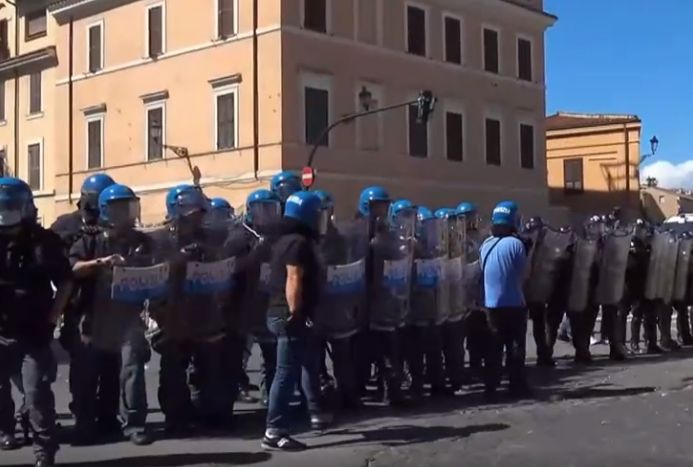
116, 322
293, 297
284, 184
95, 394
33, 258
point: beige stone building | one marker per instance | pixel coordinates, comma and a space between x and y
593, 162
246, 86
660, 204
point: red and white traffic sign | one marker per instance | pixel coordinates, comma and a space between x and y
308, 176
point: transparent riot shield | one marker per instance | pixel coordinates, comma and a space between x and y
612, 267
342, 253
581, 278
430, 292
669, 273
546, 262
388, 299
455, 266
683, 261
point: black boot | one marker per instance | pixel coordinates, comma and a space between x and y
665, 341
618, 320
683, 325
581, 337
650, 319
539, 331
635, 326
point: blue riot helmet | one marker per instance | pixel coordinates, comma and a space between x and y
119, 207
284, 184
470, 213
221, 206
262, 209
535, 223
304, 207
184, 201
326, 210
374, 202
445, 213
89, 195
402, 214
16, 203
506, 213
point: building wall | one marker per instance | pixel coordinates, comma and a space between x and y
353, 54
193, 57
37, 128
660, 204
603, 151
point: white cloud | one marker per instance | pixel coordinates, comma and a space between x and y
670, 175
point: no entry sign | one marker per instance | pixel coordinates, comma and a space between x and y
308, 176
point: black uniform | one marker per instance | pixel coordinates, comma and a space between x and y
28, 265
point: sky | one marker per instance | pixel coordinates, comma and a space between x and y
632, 57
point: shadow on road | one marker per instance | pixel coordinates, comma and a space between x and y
180, 460
406, 435
594, 392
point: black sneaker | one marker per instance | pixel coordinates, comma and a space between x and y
141, 438
282, 443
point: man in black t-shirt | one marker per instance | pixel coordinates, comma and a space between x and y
31, 258
293, 297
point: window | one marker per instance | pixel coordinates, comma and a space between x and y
34, 176
526, 146
226, 120
662, 199
155, 30
524, 59
418, 134
315, 15
454, 136
317, 110
416, 30
35, 25
156, 132
453, 40
3, 161
2, 101
95, 47
95, 142
493, 141
491, 52
4, 40
35, 103
226, 18
572, 176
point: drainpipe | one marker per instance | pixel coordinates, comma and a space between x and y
627, 136
16, 92
256, 97
70, 119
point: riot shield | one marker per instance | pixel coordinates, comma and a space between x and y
683, 261
342, 253
669, 273
661, 268
455, 265
581, 278
546, 262
612, 267
471, 272
389, 292
430, 301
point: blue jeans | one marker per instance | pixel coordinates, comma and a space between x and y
298, 359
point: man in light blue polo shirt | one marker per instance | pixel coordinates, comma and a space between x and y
504, 262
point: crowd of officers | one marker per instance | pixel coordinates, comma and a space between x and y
396, 298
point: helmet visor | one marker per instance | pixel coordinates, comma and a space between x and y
191, 202
324, 220
378, 208
123, 213
405, 222
264, 213
11, 212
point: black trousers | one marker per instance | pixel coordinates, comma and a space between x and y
344, 371
38, 369
382, 348
477, 336
425, 357
453, 351
508, 330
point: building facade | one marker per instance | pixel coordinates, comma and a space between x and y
244, 89
592, 163
660, 204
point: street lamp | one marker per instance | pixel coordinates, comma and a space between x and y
654, 144
365, 98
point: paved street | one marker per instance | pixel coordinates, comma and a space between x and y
634, 414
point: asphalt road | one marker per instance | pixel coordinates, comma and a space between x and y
635, 413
